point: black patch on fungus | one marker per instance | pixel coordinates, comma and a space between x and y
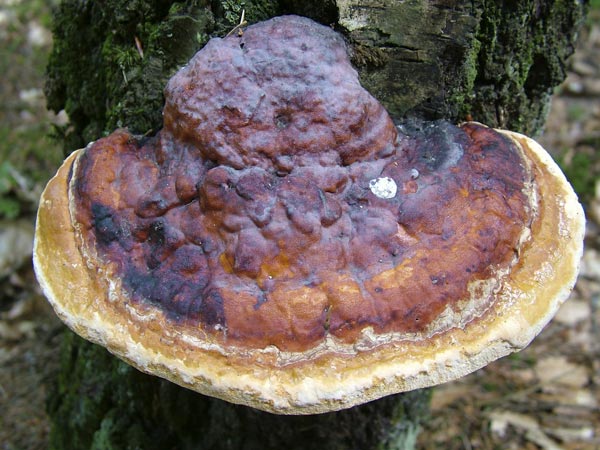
438, 143
212, 312
178, 297
105, 225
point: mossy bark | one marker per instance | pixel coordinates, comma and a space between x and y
494, 61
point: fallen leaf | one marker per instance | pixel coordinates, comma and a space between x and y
557, 370
573, 311
501, 420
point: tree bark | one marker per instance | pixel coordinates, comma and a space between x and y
494, 61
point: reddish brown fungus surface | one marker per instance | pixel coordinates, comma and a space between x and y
281, 206
283, 94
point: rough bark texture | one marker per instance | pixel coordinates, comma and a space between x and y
495, 61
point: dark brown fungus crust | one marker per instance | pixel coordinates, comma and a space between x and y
255, 213
280, 225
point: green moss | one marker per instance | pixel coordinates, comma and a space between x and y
228, 13
462, 94
111, 408
401, 433
521, 61
232, 11
112, 59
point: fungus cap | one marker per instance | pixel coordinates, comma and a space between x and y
280, 243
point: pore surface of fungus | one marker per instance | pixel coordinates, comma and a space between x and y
280, 243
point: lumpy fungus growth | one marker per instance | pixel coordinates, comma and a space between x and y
281, 243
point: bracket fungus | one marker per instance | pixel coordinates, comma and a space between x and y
282, 244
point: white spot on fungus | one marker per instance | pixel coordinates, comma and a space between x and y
383, 187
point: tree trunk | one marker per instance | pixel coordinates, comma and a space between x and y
494, 61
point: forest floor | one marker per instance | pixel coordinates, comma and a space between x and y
545, 397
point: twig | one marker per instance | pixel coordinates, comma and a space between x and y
138, 46
239, 26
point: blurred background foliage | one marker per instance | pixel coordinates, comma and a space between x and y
28, 151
